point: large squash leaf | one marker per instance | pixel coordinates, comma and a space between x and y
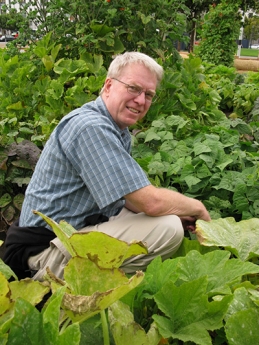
240, 238
104, 250
80, 307
126, 331
221, 271
188, 314
242, 327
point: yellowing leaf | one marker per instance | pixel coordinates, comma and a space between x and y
28, 289
63, 231
240, 238
104, 250
80, 308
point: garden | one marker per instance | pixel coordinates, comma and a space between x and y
200, 137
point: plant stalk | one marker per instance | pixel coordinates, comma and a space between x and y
106, 338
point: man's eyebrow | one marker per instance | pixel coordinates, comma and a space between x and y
140, 87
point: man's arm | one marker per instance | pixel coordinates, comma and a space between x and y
160, 201
131, 206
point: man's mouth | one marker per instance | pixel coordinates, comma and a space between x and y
134, 110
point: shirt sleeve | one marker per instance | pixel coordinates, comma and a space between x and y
107, 169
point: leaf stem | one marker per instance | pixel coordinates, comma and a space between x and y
106, 338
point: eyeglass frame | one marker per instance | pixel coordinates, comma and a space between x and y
138, 91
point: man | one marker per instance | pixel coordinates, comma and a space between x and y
86, 176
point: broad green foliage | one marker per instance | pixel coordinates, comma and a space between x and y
30, 326
188, 313
44, 89
187, 143
177, 301
195, 294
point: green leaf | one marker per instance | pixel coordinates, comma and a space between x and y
6, 271
18, 201
71, 335
189, 244
151, 135
56, 89
199, 148
48, 62
158, 273
242, 327
26, 326
51, 317
220, 271
241, 301
94, 62
240, 238
187, 102
191, 181
22, 163
5, 200
188, 314
126, 331
100, 29
70, 67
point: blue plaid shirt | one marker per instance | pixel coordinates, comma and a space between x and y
85, 168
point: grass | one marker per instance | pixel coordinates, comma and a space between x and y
249, 52
244, 52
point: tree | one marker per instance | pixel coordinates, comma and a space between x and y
198, 8
7, 21
251, 28
110, 26
220, 31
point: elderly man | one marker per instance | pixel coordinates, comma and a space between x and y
86, 176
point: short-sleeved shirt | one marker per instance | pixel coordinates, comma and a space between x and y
84, 169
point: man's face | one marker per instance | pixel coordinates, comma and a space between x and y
125, 108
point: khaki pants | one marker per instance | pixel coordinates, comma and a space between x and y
162, 236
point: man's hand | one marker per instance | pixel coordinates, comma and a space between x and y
188, 223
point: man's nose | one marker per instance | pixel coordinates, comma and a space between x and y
141, 98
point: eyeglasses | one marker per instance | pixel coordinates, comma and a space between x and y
136, 91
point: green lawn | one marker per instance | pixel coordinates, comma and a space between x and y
249, 52
244, 52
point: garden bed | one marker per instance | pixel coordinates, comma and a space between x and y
246, 64
241, 64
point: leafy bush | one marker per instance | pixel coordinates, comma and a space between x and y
17, 163
185, 142
44, 90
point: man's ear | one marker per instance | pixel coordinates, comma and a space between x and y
107, 85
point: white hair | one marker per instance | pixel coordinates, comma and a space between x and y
122, 60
